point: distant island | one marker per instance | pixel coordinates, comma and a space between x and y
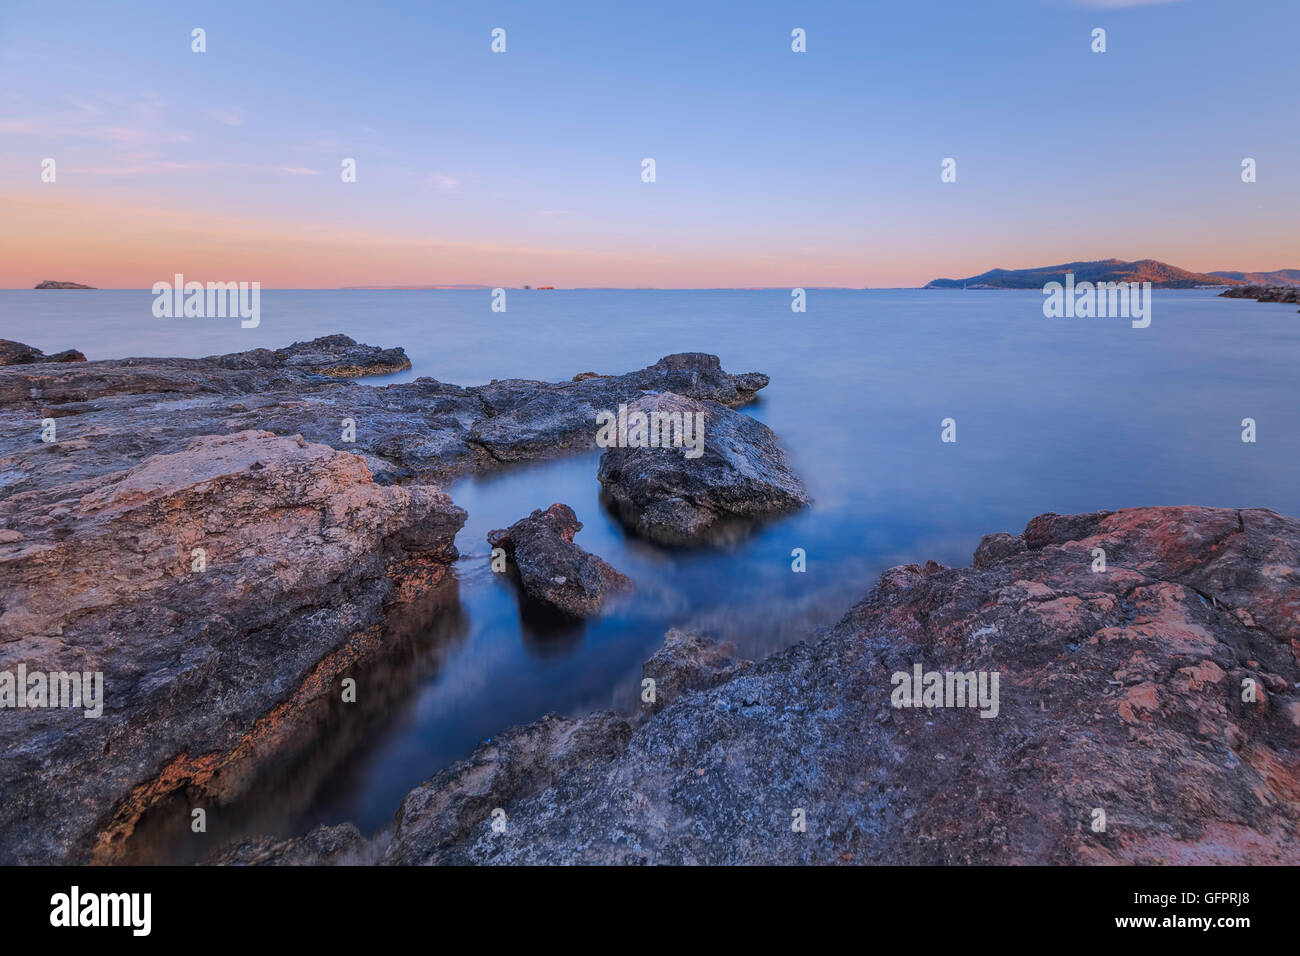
51, 284
1159, 274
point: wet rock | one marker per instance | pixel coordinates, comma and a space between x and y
671, 496
222, 591
689, 661
451, 817
16, 353
554, 570
1120, 694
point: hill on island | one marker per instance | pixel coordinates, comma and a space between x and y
1276, 277
1159, 274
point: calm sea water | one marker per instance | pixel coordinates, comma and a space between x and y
1052, 415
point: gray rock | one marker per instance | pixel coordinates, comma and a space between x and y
554, 570
111, 414
688, 661
16, 353
663, 494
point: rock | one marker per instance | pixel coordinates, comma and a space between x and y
16, 353
1264, 293
318, 561
450, 817
338, 356
223, 591
666, 496
51, 284
688, 661
554, 570
340, 845
1118, 693
422, 431
528, 420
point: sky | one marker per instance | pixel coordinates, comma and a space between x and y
772, 168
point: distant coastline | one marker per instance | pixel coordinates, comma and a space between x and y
1159, 274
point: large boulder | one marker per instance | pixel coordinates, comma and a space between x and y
554, 570
682, 494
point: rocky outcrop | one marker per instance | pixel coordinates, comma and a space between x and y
16, 353
551, 568
114, 413
1264, 293
184, 527
1145, 713
52, 284
530, 420
689, 661
677, 494
223, 591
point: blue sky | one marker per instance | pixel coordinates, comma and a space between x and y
773, 168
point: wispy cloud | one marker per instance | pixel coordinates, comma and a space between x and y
448, 184
226, 117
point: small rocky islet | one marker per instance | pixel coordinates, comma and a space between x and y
1264, 293
227, 538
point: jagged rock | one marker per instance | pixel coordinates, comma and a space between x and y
529, 420
1120, 691
212, 660
666, 496
16, 353
52, 284
113, 413
688, 661
441, 819
554, 570
1264, 293
311, 554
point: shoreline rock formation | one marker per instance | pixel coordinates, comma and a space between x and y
1264, 293
667, 497
1149, 713
119, 411
552, 569
220, 591
195, 534
206, 535
16, 353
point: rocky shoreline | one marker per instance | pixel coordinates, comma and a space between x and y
229, 539
1264, 293
225, 540
1148, 714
